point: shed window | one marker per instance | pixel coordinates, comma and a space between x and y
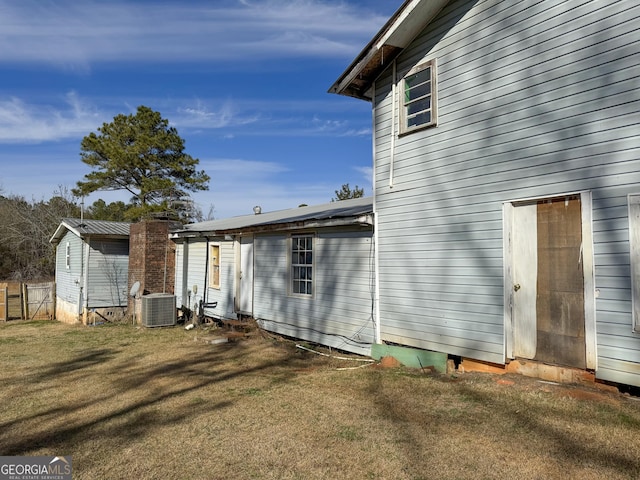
418, 104
67, 255
302, 265
634, 257
214, 266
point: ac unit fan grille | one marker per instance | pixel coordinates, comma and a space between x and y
158, 310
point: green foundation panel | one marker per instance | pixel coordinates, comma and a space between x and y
411, 357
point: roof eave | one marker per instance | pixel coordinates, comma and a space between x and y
60, 232
401, 29
365, 220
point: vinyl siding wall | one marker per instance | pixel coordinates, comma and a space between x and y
194, 250
534, 99
68, 280
340, 312
108, 273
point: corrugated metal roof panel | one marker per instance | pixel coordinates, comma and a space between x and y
342, 209
84, 228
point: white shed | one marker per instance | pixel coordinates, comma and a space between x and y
92, 264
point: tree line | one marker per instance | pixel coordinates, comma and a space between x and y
27, 226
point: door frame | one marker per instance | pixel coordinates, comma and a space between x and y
508, 212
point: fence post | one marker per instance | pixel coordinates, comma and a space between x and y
25, 301
54, 300
5, 292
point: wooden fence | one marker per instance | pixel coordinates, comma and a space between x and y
27, 301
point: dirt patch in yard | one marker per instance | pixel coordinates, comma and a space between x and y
153, 403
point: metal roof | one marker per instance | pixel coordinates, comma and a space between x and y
85, 228
343, 212
399, 31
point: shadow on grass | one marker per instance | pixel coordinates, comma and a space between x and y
135, 387
82, 362
555, 426
512, 424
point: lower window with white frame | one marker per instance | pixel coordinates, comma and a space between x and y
214, 266
302, 264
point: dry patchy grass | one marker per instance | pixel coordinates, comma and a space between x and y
127, 402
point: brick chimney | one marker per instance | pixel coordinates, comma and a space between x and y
152, 257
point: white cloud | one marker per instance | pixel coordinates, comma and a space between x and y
77, 34
237, 185
75, 117
202, 116
22, 122
367, 173
235, 169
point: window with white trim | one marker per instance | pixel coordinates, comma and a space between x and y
302, 264
418, 100
67, 255
214, 266
634, 257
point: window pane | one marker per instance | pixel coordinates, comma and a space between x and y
418, 91
419, 119
417, 78
419, 106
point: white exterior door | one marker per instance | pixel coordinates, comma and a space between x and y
245, 305
525, 276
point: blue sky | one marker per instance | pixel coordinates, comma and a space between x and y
245, 83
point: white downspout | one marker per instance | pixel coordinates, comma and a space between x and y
85, 278
376, 259
393, 123
80, 281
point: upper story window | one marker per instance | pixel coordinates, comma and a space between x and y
418, 103
214, 266
67, 255
302, 265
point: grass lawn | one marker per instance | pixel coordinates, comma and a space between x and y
134, 403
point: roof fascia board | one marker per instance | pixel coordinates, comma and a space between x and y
401, 29
362, 220
59, 233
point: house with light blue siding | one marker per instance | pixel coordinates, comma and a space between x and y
305, 272
92, 264
506, 157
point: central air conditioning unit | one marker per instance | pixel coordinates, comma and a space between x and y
158, 310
